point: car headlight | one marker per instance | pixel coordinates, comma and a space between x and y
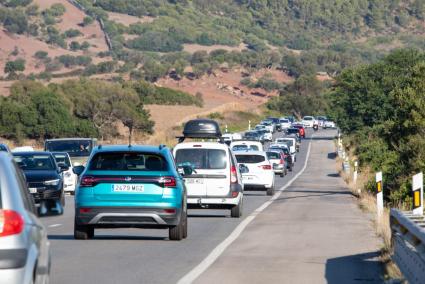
52, 182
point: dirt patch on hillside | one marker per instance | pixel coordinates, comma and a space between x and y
71, 20
191, 48
127, 20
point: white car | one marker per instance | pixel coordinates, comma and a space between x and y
259, 171
269, 126
290, 141
308, 121
329, 124
23, 149
278, 162
284, 123
69, 178
227, 138
267, 136
216, 181
246, 145
259, 127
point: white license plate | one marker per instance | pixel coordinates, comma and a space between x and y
33, 190
247, 178
194, 181
128, 187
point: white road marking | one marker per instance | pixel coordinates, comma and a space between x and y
55, 225
218, 250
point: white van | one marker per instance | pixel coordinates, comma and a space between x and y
246, 145
216, 181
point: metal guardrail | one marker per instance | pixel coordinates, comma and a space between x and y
408, 240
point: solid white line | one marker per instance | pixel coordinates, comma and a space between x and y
55, 225
218, 250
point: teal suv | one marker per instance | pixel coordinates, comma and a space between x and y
130, 186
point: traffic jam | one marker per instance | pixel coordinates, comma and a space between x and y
136, 186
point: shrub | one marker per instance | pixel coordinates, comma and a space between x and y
41, 54
72, 33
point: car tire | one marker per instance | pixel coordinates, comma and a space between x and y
282, 174
83, 232
270, 191
185, 226
176, 233
236, 211
290, 168
63, 199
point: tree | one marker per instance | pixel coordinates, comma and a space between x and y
12, 67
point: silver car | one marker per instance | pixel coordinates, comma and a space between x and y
24, 247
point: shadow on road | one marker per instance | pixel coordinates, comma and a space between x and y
322, 138
334, 175
207, 216
109, 237
332, 155
359, 268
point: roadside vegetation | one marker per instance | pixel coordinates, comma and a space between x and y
380, 108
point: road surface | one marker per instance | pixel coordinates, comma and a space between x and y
312, 233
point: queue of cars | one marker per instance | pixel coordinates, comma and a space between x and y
137, 186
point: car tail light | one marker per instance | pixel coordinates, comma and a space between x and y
11, 223
282, 161
85, 210
233, 175
168, 181
266, 167
170, 211
87, 181
235, 194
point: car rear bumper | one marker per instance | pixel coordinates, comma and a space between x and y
107, 217
213, 202
259, 181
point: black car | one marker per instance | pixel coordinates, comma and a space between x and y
253, 136
4, 148
43, 175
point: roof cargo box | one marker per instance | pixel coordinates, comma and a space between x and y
201, 128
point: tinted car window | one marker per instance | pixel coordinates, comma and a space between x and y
22, 186
123, 161
290, 143
245, 147
250, 159
3, 148
285, 150
75, 148
34, 162
204, 159
292, 130
273, 155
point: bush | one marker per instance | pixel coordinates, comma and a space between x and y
41, 54
72, 33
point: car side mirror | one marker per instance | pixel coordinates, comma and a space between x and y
185, 170
243, 169
78, 170
63, 168
50, 208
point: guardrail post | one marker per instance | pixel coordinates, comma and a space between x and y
379, 194
249, 124
418, 194
356, 164
225, 128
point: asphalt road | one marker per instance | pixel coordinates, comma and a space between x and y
147, 256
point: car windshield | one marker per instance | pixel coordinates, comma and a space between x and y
203, 159
245, 148
127, 161
62, 159
3, 148
308, 118
34, 162
273, 155
75, 148
250, 159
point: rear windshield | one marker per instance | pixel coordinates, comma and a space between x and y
62, 159
284, 120
123, 161
290, 143
285, 150
245, 147
203, 159
34, 162
250, 159
273, 155
251, 134
292, 130
308, 118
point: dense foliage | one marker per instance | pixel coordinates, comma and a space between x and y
382, 108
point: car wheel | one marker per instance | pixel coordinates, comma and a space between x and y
290, 168
175, 233
282, 174
83, 232
236, 211
185, 226
63, 199
270, 191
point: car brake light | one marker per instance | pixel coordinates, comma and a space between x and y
266, 167
281, 161
233, 175
235, 194
87, 181
170, 211
85, 210
11, 223
168, 181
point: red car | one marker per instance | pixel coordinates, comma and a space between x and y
301, 130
